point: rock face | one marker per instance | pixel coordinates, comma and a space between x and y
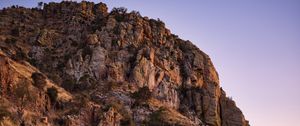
78, 64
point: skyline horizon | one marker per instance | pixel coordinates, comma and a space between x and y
253, 50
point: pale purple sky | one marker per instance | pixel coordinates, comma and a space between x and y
254, 45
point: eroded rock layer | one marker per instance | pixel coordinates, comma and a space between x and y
78, 64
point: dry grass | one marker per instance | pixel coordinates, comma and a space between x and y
25, 71
168, 115
7, 122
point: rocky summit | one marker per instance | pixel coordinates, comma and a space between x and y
77, 64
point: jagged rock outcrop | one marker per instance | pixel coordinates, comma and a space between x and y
78, 64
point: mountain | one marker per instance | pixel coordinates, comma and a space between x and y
77, 64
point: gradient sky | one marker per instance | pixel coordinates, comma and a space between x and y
254, 45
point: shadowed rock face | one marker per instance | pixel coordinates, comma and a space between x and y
78, 64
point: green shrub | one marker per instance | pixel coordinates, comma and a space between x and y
11, 40
86, 82
55, 77
127, 122
160, 23
39, 80
120, 10
83, 99
115, 42
137, 13
119, 13
33, 62
52, 93
87, 51
117, 30
142, 94
67, 57
69, 84
20, 55
156, 118
15, 32
40, 5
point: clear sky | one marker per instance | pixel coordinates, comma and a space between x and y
254, 45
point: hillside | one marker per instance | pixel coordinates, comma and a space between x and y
78, 64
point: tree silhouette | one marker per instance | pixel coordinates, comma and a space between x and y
40, 5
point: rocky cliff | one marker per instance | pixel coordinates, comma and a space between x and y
78, 64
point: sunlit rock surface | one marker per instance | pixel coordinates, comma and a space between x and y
78, 64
